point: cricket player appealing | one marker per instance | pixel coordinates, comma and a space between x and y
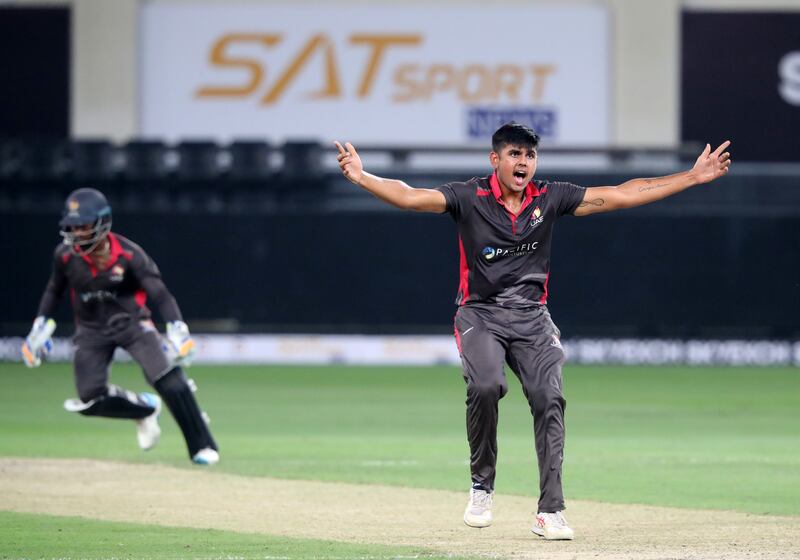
110, 279
505, 226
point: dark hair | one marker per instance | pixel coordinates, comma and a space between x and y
514, 134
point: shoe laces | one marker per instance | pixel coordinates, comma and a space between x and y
481, 499
555, 519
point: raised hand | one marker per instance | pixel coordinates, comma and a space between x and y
349, 162
712, 165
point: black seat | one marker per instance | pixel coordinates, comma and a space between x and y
249, 160
10, 158
198, 160
35, 158
302, 160
145, 159
93, 159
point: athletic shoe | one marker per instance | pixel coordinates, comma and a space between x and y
553, 527
147, 429
206, 456
479, 509
77, 405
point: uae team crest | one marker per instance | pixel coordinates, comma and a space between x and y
117, 272
536, 217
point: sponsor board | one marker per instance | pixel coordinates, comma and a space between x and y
441, 350
373, 74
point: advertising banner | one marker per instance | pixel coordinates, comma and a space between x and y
373, 74
441, 350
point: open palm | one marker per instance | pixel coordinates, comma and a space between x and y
712, 165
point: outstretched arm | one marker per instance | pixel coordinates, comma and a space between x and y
397, 193
636, 192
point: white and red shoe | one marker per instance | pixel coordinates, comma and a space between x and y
553, 527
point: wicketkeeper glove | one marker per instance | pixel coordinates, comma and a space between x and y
38, 342
180, 346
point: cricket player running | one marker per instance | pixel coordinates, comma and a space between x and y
505, 226
110, 278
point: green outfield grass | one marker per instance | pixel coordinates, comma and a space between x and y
709, 438
38, 536
726, 438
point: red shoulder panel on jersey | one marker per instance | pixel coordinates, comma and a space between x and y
117, 250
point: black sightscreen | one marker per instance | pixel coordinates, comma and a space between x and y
34, 71
741, 81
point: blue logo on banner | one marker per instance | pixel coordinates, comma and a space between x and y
483, 121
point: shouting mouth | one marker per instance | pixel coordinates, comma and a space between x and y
520, 177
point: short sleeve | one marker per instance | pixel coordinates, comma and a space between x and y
143, 266
460, 198
568, 196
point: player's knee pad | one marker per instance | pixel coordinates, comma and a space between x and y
115, 402
177, 393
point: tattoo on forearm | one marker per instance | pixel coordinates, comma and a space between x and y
593, 202
651, 187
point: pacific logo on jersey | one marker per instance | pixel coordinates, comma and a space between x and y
536, 217
491, 253
117, 273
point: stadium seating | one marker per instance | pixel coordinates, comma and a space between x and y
302, 161
37, 158
198, 160
145, 160
93, 159
250, 160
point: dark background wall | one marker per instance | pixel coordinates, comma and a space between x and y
34, 71
308, 254
717, 261
740, 80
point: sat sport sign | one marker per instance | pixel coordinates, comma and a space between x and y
373, 74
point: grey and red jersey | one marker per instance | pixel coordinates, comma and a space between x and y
120, 291
505, 257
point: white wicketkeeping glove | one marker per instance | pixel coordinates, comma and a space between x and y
180, 346
38, 342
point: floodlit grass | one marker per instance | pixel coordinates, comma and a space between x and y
725, 438
42, 536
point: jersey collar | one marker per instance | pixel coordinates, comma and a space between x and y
116, 248
115, 251
530, 191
